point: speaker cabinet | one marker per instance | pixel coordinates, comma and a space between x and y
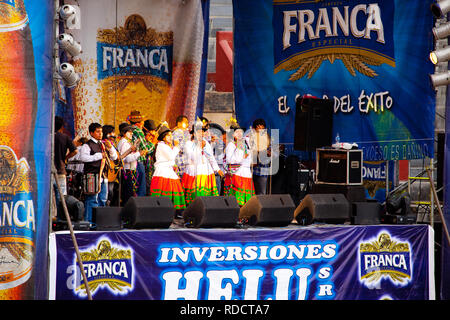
148, 212
276, 210
353, 193
215, 211
107, 218
313, 123
331, 208
366, 213
336, 166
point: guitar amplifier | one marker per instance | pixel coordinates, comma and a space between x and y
339, 166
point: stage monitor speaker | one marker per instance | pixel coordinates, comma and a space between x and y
107, 218
331, 208
213, 211
148, 212
275, 210
313, 123
336, 166
366, 213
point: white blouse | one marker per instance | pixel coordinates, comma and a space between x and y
236, 156
165, 161
130, 161
200, 161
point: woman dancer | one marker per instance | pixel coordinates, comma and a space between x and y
199, 177
165, 181
238, 181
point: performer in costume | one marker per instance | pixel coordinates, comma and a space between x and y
199, 176
238, 181
181, 134
129, 159
137, 121
165, 181
94, 154
151, 136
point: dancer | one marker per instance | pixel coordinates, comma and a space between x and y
199, 177
238, 181
165, 181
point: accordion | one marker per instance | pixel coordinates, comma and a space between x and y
91, 183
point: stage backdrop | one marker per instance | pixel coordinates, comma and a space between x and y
141, 55
304, 263
369, 57
26, 42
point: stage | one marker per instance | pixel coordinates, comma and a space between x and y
315, 262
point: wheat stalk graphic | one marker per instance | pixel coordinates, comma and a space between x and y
353, 63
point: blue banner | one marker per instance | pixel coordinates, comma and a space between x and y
41, 15
370, 58
305, 263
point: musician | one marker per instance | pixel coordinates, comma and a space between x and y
181, 135
130, 160
151, 136
263, 152
109, 136
137, 121
95, 154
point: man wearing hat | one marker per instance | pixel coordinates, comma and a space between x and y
151, 136
137, 121
129, 159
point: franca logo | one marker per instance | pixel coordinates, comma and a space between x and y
307, 33
107, 266
135, 53
385, 257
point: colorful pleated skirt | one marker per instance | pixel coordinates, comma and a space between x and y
200, 185
240, 187
171, 188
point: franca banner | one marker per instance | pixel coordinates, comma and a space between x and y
308, 263
26, 44
137, 55
369, 57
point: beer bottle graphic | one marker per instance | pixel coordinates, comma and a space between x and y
18, 96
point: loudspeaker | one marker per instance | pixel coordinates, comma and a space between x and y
276, 210
313, 123
107, 218
148, 212
339, 166
353, 193
332, 208
213, 211
366, 213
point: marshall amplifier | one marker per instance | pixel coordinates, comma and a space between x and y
339, 166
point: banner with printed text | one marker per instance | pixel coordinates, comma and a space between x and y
145, 55
369, 57
305, 263
26, 42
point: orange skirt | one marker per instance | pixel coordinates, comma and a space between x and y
201, 185
240, 187
171, 188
